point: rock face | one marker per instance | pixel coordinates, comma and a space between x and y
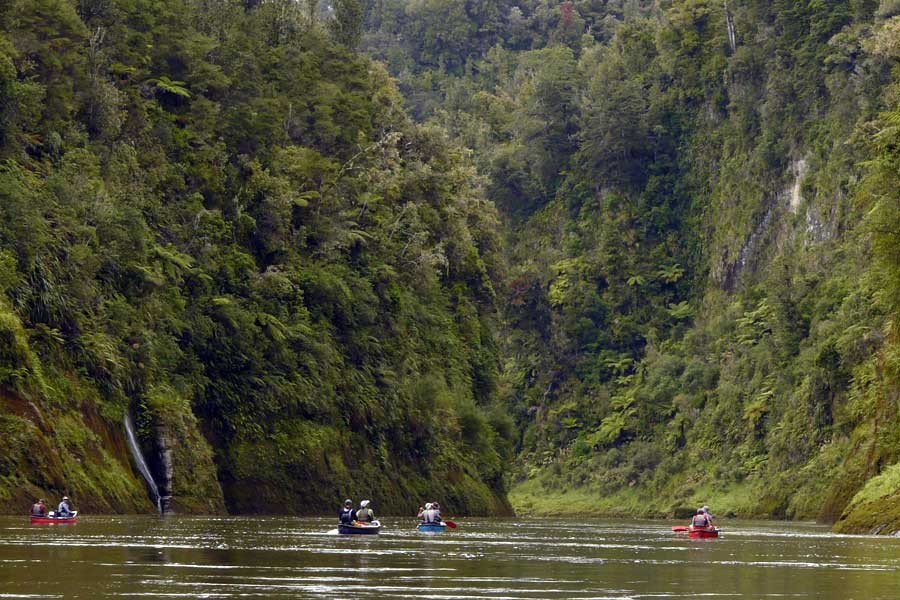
181, 457
58, 440
66, 438
166, 444
875, 509
48, 451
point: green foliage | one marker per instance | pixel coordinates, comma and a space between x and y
224, 221
167, 86
16, 360
683, 197
874, 508
347, 24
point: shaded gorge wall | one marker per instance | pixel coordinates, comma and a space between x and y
226, 223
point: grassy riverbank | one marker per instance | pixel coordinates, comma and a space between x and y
678, 498
531, 498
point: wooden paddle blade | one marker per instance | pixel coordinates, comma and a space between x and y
450, 524
679, 528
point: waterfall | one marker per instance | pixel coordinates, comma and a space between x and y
729, 25
139, 459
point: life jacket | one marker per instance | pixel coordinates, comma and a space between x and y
347, 515
365, 515
431, 516
700, 521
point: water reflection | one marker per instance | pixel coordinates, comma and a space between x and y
297, 558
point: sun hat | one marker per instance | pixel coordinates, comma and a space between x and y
364, 503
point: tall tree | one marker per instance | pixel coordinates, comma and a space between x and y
348, 21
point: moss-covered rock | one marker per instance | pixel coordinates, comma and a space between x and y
302, 467
182, 457
50, 452
876, 507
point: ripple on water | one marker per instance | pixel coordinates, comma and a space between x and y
239, 557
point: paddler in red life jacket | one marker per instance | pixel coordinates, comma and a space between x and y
700, 519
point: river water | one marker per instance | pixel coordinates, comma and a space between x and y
267, 557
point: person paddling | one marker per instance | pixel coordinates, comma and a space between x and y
64, 510
700, 519
431, 514
39, 509
365, 514
347, 515
436, 507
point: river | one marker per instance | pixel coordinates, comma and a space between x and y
268, 557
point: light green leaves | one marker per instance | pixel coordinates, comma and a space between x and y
680, 310
169, 86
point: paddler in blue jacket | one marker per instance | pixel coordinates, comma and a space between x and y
64, 510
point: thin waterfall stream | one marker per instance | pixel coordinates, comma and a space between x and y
141, 463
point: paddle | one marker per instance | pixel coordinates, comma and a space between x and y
450, 524
680, 528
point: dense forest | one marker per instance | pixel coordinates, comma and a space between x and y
699, 201
606, 256
217, 218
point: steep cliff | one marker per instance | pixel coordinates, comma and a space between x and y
220, 221
697, 198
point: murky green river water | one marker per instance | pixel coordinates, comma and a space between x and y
264, 557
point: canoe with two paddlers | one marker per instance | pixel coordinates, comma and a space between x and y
703, 532
52, 518
359, 528
436, 526
697, 532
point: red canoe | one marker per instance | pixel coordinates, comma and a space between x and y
703, 532
71, 519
